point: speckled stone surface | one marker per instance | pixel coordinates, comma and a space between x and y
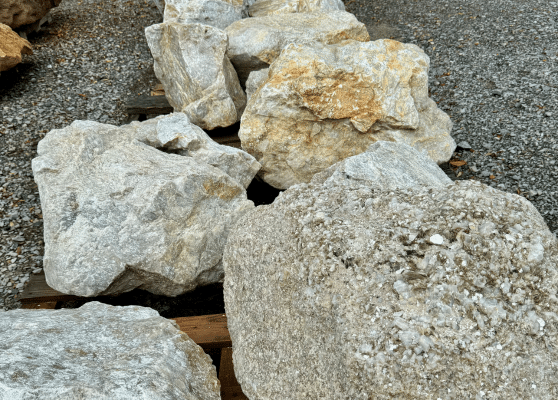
101, 352
341, 291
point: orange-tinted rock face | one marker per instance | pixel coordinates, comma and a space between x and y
323, 103
12, 46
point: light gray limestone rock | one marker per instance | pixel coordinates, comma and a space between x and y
101, 352
387, 166
217, 13
174, 133
323, 103
350, 292
254, 43
262, 8
120, 214
199, 79
255, 81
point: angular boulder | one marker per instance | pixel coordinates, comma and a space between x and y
262, 8
12, 47
199, 79
16, 13
101, 352
254, 43
217, 13
425, 292
324, 103
174, 133
120, 213
387, 166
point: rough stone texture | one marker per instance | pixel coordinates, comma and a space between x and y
323, 103
101, 352
12, 46
262, 8
254, 43
199, 79
16, 13
348, 292
387, 166
120, 214
217, 13
254, 81
174, 133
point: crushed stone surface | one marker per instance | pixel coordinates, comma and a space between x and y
493, 70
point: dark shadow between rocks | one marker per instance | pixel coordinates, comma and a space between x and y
261, 193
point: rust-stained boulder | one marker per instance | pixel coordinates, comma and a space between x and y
322, 104
12, 46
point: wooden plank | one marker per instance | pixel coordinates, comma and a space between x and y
154, 105
208, 331
49, 305
230, 140
230, 388
37, 291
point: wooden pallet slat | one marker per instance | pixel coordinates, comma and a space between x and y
37, 291
154, 105
208, 331
230, 388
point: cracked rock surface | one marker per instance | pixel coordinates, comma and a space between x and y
120, 214
101, 352
343, 291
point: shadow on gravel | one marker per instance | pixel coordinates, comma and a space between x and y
11, 78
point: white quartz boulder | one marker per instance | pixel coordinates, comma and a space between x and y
323, 103
254, 43
199, 80
120, 214
217, 13
101, 352
349, 291
255, 80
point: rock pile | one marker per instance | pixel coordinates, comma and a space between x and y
147, 205
101, 352
371, 276
413, 288
12, 47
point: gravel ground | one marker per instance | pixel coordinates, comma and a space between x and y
493, 70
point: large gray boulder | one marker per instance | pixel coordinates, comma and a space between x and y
262, 8
346, 291
199, 79
323, 103
217, 13
255, 80
254, 43
120, 213
100, 352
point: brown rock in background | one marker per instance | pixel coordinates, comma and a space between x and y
16, 13
12, 46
